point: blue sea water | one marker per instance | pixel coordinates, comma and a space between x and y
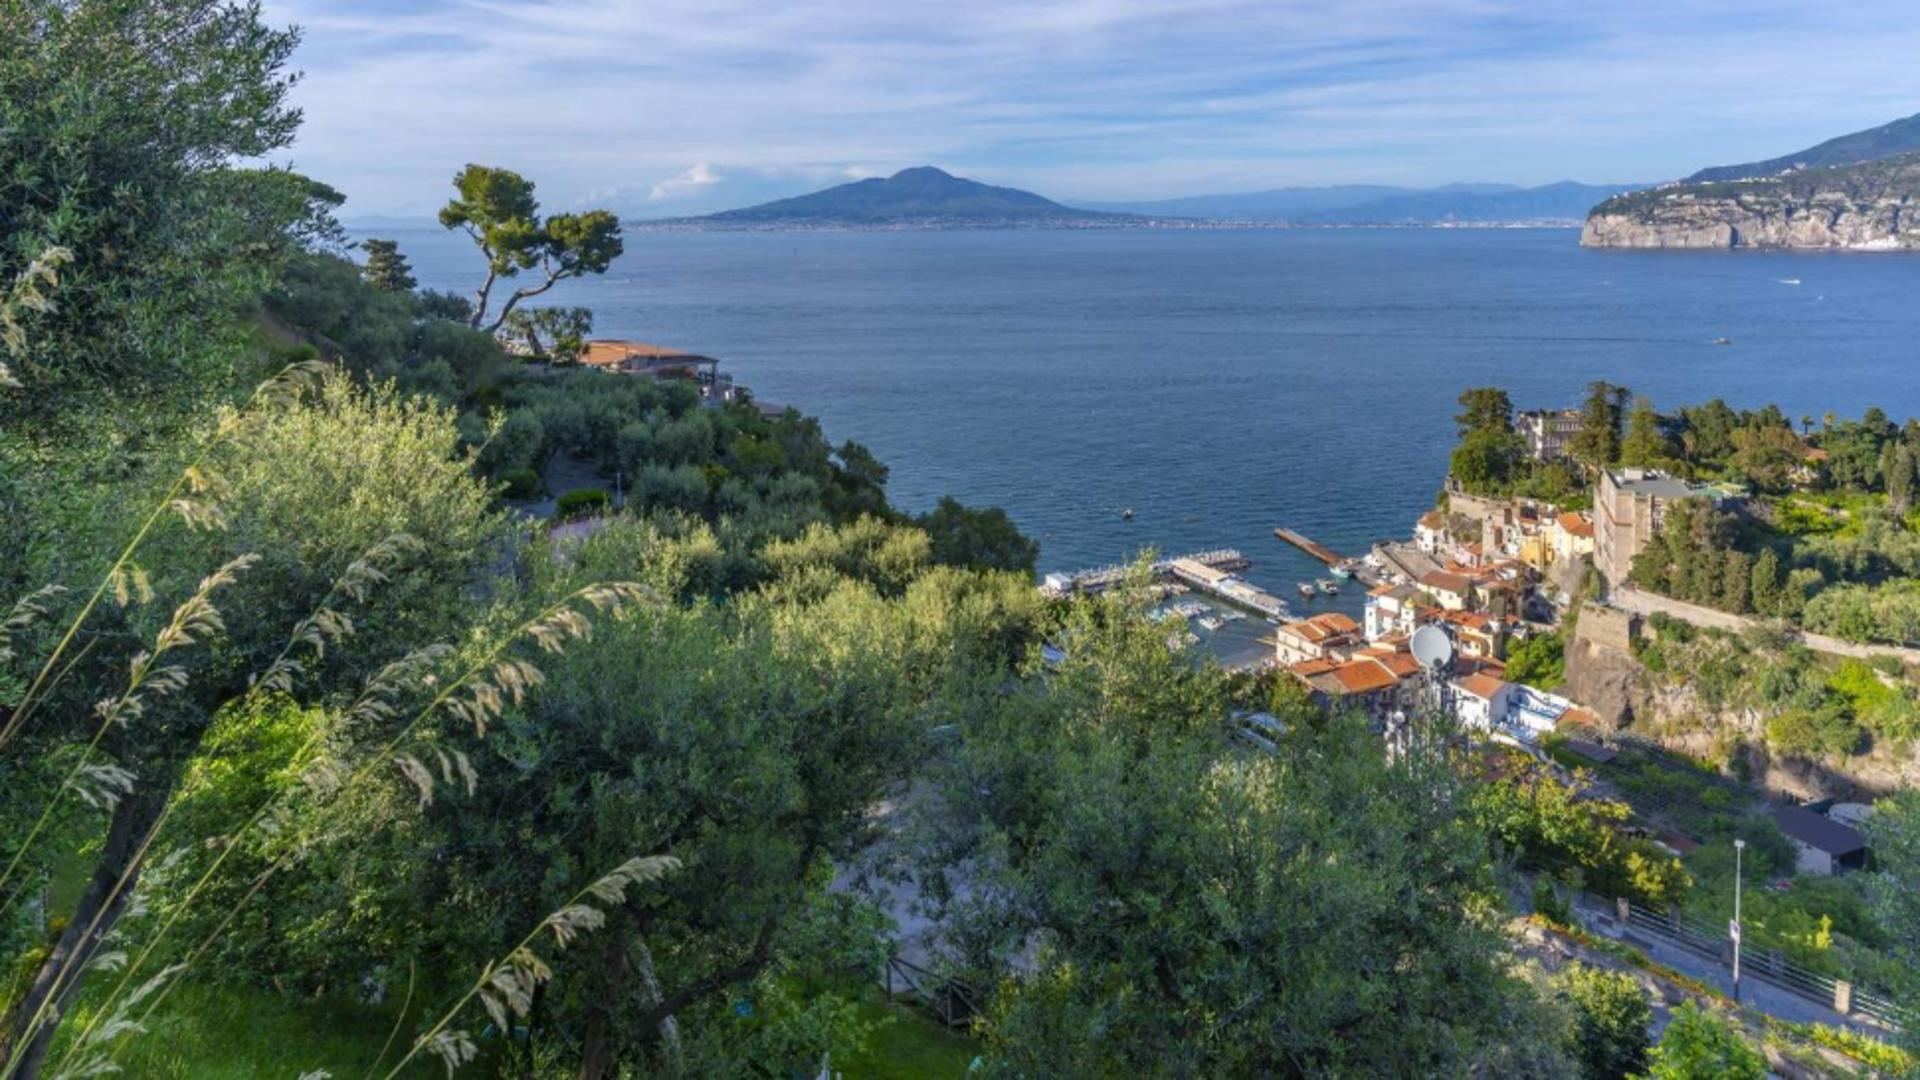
1220, 383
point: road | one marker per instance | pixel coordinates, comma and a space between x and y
1644, 603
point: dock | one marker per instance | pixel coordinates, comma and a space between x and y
1211, 572
1319, 551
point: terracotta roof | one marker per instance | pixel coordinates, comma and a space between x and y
1336, 622
1814, 453
1364, 677
1402, 665
1575, 524
1581, 715
1441, 581
1309, 668
615, 353
1481, 685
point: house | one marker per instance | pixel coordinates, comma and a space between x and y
1825, 846
660, 362
1480, 701
1390, 611
1572, 536
1474, 633
1365, 683
1327, 636
1629, 507
1548, 432
1449, 590
1430, 532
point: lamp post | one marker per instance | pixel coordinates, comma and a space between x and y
1738, 847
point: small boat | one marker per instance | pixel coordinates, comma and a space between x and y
1341, 572
1127, 514
1328, 586
1213, 622
1789, 281
1306, 591
1723, 341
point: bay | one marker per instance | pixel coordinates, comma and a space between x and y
1222, 382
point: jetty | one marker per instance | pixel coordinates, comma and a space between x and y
1210, 572
1319, 551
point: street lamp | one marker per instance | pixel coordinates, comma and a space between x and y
1734, 928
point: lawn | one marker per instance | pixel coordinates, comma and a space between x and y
909, 1045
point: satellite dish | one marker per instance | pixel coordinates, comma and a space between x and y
1432, 647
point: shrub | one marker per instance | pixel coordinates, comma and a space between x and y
581, 502
521, 484
1611, 1019
1699, 1044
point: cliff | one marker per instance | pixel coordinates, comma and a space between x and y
1868, 206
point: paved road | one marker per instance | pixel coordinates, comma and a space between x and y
1645, 603
1598, 919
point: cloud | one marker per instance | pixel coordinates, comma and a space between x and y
695, 178
1075, 98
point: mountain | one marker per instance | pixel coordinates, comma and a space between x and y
1864, 206
923, 197
1899, 137
1378, 204
1565, 201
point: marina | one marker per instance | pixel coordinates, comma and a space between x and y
1214, 573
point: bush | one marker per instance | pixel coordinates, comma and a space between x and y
522, 484
1698, 1044
1611, 1019
581, 503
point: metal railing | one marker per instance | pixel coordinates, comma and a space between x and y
952, 1000
1772, 966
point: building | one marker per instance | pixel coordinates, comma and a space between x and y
1548, 432
1369, 684
1430, 532
1327, 636
1391, 612
1628, 509
1571, 536
1451, 591
660, 362
1480, 701
1825, 846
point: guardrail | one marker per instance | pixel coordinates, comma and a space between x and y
952, 1000
1677, 929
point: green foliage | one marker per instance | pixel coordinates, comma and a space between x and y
581, 502
1888, 612
1486, 408
1612, 1015
122, 118
1539, 661
977, 539
1596, 444
1894, 832
1487, 460
386, 269
1698, 1045
522, 484
1647, 444
496, 208
1826, 730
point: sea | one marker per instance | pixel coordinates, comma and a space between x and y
1218, 382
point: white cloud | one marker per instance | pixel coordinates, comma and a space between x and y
695, 178
1081, 98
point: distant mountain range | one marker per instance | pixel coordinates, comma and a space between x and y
1898, 137
1376, 204
1859, 192
929, 198
923, 197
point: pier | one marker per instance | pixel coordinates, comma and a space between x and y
1210, 572
1319, 551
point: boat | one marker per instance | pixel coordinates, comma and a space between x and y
1789, 281
1328, 586
1343, 571
1306, 590
1213, 622
1127, 514
1723, 341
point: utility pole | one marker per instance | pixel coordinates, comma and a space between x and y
1738, 847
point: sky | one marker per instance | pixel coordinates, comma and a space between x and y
656, 108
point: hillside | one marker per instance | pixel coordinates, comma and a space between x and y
1380, 204
1868, 206
1899, 137
923, 197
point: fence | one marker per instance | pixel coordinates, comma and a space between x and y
953, 1001
1681, 931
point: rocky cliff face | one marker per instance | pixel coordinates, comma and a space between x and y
1872, 206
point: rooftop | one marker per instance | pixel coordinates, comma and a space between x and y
1654, 483
1481, 685
1442, 581
1819, 833
1575, 524
609, 353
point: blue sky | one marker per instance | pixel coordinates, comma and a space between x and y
667, 107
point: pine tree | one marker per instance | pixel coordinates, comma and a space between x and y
1764, 589
1597, 443
386, 268
1899, 469
1646, 444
